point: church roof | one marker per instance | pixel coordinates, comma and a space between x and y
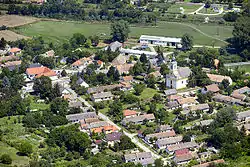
181, 72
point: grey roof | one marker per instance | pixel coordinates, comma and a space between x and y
97, 124
139, 118
164, 128
228, 99
102, 95
204, 106
115, 45
183, 157
161, 134
181, 146
144, 158
79, 81
115, 136
170, 92
242, 115
172, 104
169, 141
181, 72
75, 104
102, 88
206, 122
35, 65
81, 116
119, 60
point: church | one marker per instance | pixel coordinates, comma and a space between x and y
178, 76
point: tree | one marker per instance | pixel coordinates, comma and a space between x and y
3, 43
126, 143
113, 74
151, 81
43, 87
63, 73
139, 89
187, 42
224, 116
59, 106
57, 90
159, 163
94, 40
5, 159
25, 148
224, 84
115, 110
207, 4
164, 69
143, 58
120, 31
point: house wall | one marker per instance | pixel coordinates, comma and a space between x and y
161, 43
176, 84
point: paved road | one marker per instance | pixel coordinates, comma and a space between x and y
200, 8
237, 64
131, 136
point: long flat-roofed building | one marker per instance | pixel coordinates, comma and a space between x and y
162, 41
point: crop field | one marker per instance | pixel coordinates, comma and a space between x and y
11, 36
59, 32
15, 20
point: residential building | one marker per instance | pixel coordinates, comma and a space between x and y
82, 63
100, 89
127, 78
37, 72
164, 128
163, 143
178, 76
200, 107
204, 123
120, 60
12, 65
184, 158
180, 146
173, 105
243, 116
214, 88
208, 164
107, 129
138, 52
97, 97
81, 116
246, 127
144, 158
186, 102
240, 93
139, 119
114, 46
159, 135
170, 92
75, 104
161, 41
130, 113
112, 138
125, 86
15, 51
4, 59
217, 79
124, 68
227, 99
50, 53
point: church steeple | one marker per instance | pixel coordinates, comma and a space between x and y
173, 64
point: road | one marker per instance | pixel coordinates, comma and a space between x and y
237, 64
131, 136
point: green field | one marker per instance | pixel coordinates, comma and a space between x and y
246, 68
60, 32
187, 8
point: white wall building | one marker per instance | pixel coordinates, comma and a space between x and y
178, 76
162, 41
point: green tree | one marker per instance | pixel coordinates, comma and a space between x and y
120, 31
64, 73
115, 110
59, 106
139, 89
151, 81
5, 159
113, 74
143, 58
164, 69
43, 87
25, 148
159, 163
187, 42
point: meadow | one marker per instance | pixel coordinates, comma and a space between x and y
59, 32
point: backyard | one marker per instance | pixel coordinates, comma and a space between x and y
60, 32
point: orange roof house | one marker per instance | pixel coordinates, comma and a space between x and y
129, 113
40, 71
82, 61
106, 129
15, 50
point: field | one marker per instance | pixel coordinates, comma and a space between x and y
11, 36
187, 8
15, 20
60, 32
246, 68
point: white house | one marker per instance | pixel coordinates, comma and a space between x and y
161, 41
178, 76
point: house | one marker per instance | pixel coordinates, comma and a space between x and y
125, 86
159, 135
243, 116
208, 164
240, 93
138, 52
81, 82
180, 146
114, 46
170, 92
120, 60
144, 158
124, 68
156, 74
241, 97
164, 128
75, 104
107, 129
112, 138
246, 127
127, 78
50, 53
173, 105
161, 41
15, 51
85, 121
81, 116
219, 78
37, 72
82, 63
178, 76
138, 119
204, 123
130, 113
174, 97
95, 125
163, 143
200, 107
100, 89
4, 59
97, 97
100, 63
186, 102
12, 65
214, 88
227, 99
184, 158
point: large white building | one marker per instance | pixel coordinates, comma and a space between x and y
162, 41
178, 76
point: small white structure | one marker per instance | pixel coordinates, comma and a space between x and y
206, 20
178, 76
161, 41
182, 10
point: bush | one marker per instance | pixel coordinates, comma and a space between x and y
230, 16
25, 148
5, 159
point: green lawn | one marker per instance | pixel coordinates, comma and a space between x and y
38, 106
243, 161
147, 93
246, 68
187, 8
60, 32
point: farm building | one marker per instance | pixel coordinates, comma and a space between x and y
162, 41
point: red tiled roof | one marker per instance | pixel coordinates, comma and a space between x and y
14, 50
99, 62
40, 71
180, 152
129, 112
213, 88
127, 78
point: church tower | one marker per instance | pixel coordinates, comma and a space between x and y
173, 64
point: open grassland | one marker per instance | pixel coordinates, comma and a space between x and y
15, 20
246, 68
59, 32
188, 8
11, 36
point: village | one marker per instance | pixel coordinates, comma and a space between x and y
170, 124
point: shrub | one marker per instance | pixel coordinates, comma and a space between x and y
5, 159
